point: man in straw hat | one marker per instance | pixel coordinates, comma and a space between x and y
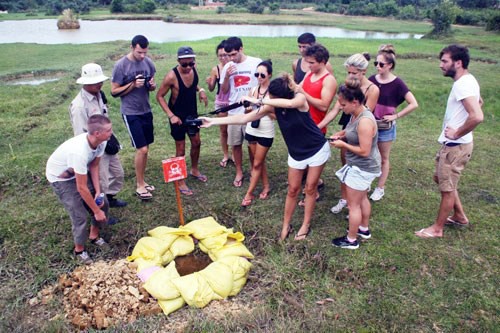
89, 101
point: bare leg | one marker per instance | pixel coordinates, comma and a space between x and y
311, 189
238, 160
140, 161
195, 153
180, 150
223, 137
445, 207
258, 169
294, 187
359, 210
458, 211
385, 151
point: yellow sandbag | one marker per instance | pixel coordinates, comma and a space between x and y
218, 241
164, 232
143, 264
182, 245
240, 267
195, 290
159, 285
171, 305
149, 248
206, 227
236, 249
219, 277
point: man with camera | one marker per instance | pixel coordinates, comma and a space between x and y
181, 109
89, 101
132, 80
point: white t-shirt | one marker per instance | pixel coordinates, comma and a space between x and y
455, 115
74, 153
241, 82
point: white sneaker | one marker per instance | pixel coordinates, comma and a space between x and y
377, 194
339, 206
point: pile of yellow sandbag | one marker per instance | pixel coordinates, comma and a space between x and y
224, 277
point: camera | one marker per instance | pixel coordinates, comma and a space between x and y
147, 85
192, 125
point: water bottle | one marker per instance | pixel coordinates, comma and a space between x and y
100, 199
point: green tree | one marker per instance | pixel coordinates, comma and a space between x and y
442, 16
117, 6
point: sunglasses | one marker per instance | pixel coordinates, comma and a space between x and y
376, 63
186, 64
262, 75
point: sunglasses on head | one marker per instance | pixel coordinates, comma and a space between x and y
186, 64
376, 63
262, 75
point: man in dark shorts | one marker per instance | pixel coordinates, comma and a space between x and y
182, 82
132, 80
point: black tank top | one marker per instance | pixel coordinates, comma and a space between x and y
185, 105
299, 73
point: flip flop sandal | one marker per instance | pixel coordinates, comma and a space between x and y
223, 162
187, 192
238, 183
150, 188
201, 177
263, 195
144, 195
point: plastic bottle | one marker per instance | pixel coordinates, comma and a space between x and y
100, 199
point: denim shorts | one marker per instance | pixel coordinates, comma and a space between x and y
355, 178
387, 135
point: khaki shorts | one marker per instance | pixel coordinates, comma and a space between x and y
235, 134
450, 161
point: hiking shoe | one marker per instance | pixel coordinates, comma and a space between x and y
116, 202
344, 243
363, 234
339, 206
112, 221
83, 257
101, 243
377, 194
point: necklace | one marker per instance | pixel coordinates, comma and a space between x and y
259, 94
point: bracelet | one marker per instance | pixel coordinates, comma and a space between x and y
201, 90
170, 117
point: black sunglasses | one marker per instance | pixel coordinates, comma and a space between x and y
376, 63
262, 75
190, 64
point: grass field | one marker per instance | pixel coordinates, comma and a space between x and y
395, 282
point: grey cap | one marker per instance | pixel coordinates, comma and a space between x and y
185, 52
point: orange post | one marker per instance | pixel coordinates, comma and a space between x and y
179, 202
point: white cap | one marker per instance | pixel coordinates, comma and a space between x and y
91, 74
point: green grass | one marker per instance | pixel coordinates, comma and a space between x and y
393, 283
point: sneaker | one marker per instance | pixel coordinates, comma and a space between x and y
83, 257
377, 194
112, 221
339, 206
344, 243
99, 242
363, 234
113, 202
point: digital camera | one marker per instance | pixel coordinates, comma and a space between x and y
192, 125
147, 85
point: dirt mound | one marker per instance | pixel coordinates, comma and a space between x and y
102, 294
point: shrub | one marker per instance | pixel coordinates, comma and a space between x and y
493, 22
117, 6
407, 13
274, 8
255, 7
442, 17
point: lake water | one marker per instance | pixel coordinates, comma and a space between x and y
46, 32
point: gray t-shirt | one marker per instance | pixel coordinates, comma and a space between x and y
135, 102
371, 163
